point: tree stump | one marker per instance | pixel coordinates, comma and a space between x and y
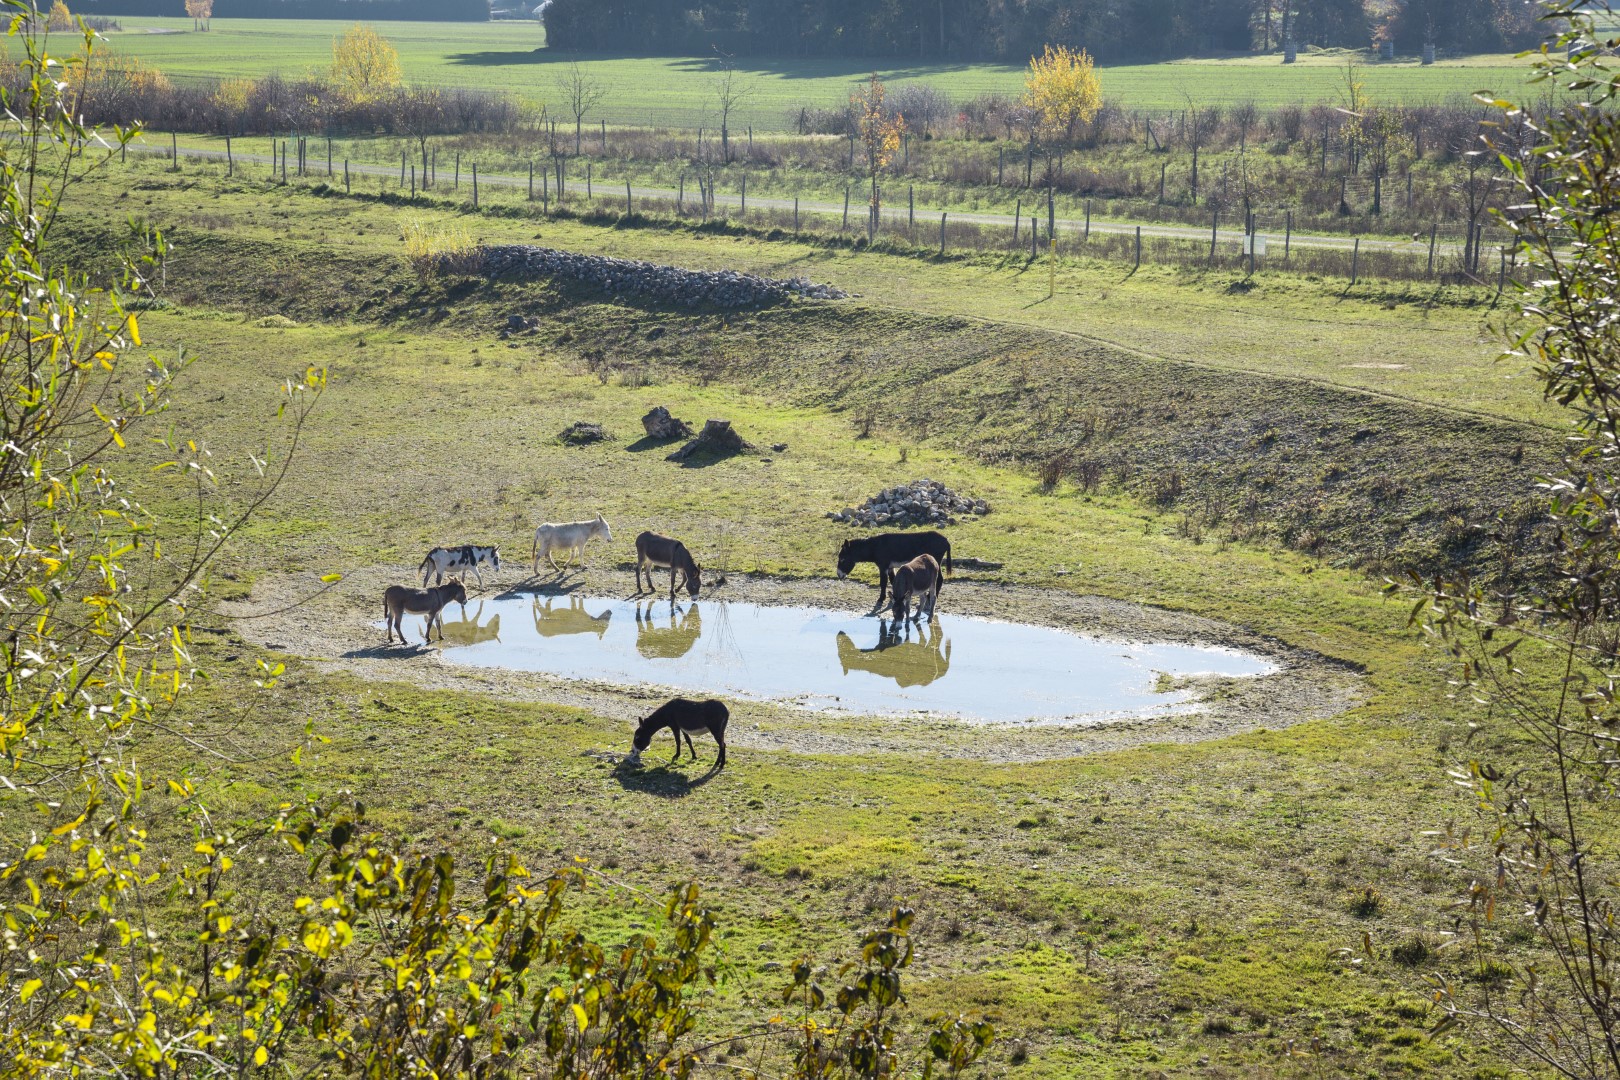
660, 425
717, 439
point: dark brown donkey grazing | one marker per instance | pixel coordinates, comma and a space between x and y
402, 600
684, 717
889, 551
919, 578
654, 551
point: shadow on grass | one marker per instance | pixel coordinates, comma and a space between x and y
663, 781
647, 442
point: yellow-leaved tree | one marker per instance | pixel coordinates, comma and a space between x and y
200, 12
60, 17
879, 133
1061, 92
364, 65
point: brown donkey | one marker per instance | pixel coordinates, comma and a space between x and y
918, 578
402, 600
654, 551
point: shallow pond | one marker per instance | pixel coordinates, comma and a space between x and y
971, 668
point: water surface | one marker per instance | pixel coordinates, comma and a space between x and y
971, 668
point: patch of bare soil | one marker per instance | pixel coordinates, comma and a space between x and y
333, 629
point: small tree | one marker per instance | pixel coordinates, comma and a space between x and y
365, 66
1062, 90
1545, 665
879, 133
200, 11
60, 18
730, 91
580, 94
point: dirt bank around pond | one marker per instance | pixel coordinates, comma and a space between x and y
334, 629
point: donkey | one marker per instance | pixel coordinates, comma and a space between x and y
569, 536
657, 552
402, 600
459, 560
918, 578
683, 717
890, 550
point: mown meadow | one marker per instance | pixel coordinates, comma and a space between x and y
1264, 904
677, 91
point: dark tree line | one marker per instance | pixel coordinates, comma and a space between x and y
1015, 29
351, 10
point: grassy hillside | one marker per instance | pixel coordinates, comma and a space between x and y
675, 90
1229, 908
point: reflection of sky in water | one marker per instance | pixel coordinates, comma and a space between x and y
971, 668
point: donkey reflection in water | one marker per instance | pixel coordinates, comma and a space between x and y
669, 642
897, 656
683, 717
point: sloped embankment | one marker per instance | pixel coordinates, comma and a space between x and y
1377, 482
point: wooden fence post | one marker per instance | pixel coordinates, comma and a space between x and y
531, 181
346, 176
329, 161
545, 191
1018, 215
457, 184
911, 207
1088, 220
1288, 234
680, 195
942, 234
475, 185
174, 151
628, 211
1001, 162
413, 179
1214, 225
1138, 247
1501, 273
744, 194
1434, 232
1163, 166
588, 195
1034, 235
845, 225
230, 162
1355, 259
795, 214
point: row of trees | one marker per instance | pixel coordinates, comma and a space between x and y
408, 10
1009, 29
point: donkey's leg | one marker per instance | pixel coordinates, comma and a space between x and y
675, 729
689, 745
720, 740
672, 583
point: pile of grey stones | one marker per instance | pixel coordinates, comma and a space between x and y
921, 502
632, 279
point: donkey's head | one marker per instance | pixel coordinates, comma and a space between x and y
455, 592
601, 529
640, 742
495, 557
846, 560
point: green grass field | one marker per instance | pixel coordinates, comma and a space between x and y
1177, 909
510, 57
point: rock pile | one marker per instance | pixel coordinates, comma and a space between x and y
921, 502
582, 433
631, 279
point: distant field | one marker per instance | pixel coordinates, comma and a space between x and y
674, 91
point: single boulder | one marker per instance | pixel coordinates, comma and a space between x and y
660, 425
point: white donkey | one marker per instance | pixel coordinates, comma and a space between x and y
569, 536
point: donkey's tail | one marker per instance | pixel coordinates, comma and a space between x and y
947, 556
